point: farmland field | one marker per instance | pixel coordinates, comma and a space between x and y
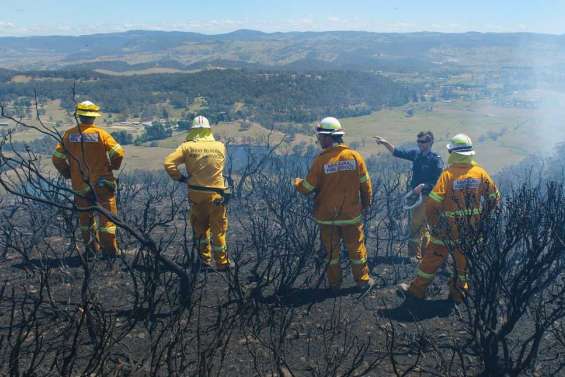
503, 135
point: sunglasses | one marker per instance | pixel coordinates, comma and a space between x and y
423, 141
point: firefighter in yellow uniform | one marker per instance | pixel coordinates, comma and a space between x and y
340, 180
204, 159
463, 194
87, 155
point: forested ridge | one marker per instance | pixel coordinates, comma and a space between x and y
337, 50
269, 96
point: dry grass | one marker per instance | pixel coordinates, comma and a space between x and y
226, 131
21, 79
144, 158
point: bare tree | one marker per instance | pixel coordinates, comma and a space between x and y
516, 271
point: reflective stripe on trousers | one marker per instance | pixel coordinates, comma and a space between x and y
433, 258
424, 275
361, 261
198, 243
356, 220
107, 229
219, 249
353, 237
209, 224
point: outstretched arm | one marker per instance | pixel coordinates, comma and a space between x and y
396, 152
382, 141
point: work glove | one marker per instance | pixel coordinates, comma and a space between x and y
418, 189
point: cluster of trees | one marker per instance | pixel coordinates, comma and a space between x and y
270, 96
155, 131
123, 137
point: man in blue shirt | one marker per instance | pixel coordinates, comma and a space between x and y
426, 169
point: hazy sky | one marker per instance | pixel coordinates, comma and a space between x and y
72, 17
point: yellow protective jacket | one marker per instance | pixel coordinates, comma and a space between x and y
204, 161
461, 195
87, 153
342, 185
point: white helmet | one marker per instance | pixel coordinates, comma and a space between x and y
87, 109
330, 126
200, 122
461, 144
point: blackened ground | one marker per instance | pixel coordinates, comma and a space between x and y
307, 330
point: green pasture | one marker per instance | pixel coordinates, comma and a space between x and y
502, 135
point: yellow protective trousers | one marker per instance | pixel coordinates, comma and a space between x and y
434, 256
354, 240
209, 222
419, 233
104, 235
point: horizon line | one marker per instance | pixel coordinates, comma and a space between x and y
281, 32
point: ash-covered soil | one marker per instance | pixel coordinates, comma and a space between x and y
127, 318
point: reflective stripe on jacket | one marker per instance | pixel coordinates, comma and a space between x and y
342, 184
90, 152
462, 192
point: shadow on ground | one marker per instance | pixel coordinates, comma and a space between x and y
65, 262
49, 263
297, 297
413, 310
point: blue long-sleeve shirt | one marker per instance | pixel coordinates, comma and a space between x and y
426, 168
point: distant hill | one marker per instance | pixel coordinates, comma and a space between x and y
351, 50
266, 97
